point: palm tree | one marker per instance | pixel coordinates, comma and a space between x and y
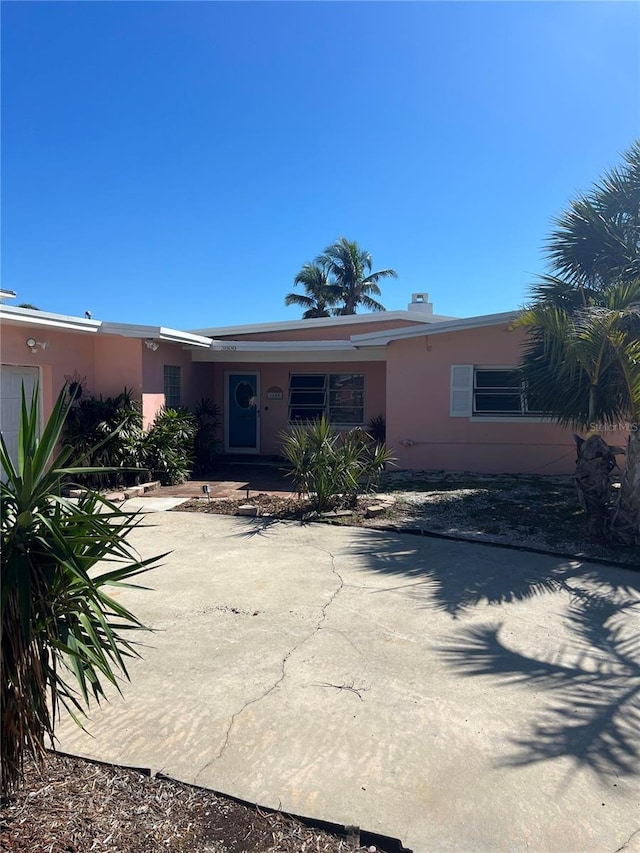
581, 363
320, 292
350, 267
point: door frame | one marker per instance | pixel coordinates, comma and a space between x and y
227, 411
39, 384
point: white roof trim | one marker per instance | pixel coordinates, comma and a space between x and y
13, 315
228, 345
381, 338
290, 356
322, 322
160, 333
29, 317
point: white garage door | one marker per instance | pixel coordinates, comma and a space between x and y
11, 382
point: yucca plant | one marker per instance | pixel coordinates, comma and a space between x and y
63, 635
332, 468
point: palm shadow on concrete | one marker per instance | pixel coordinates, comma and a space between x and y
592, 712
455, 577
590, 685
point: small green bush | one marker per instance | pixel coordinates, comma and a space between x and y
105, 433
330, 467
168, 447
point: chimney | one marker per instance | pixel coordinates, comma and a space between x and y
420, 302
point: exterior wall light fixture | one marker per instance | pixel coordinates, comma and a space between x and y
33, 344
151, 344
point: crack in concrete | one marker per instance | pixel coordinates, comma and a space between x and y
626, 843
280, 679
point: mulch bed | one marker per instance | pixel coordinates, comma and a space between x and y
272, 506
78, 806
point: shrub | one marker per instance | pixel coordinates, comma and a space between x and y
106, 433
168, 447
209, 421
377, 429
62, 633
332, 468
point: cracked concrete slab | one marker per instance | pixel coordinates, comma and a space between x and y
455, 696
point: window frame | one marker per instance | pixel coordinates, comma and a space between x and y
329, 404
495, 415
170, 384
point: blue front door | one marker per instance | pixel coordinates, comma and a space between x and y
242, 412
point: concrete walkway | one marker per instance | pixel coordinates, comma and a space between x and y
459, 697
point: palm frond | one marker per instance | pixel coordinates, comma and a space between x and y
351, 270
56, 616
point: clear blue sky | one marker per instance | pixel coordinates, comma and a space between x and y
176, 163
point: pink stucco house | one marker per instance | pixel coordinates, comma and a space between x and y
446, 386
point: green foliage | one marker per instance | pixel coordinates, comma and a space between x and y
377, 429
320, 293
581, 362
583, 366
338, 281
209, 421
106, 433
350, 269
168, 447
333, 468
62, 632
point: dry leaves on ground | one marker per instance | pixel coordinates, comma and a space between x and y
79, 806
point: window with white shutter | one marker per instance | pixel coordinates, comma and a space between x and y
461, 405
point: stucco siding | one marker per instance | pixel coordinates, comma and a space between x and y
274, 414
425, 436
153, 364
65, 356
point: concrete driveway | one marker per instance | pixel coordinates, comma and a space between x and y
459, 697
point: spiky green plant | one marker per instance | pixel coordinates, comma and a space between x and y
63, 635
330, 467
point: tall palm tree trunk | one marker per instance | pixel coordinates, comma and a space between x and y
625, 524
594, 464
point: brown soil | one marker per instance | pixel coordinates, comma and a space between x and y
79, 806
271, 506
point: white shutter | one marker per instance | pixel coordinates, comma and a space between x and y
461, 391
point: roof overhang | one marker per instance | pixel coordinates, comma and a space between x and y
156, 333
378, 339
414, 317
228, 350
45, 320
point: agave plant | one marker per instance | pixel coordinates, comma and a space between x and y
63, 635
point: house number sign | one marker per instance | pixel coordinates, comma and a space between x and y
274, 393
